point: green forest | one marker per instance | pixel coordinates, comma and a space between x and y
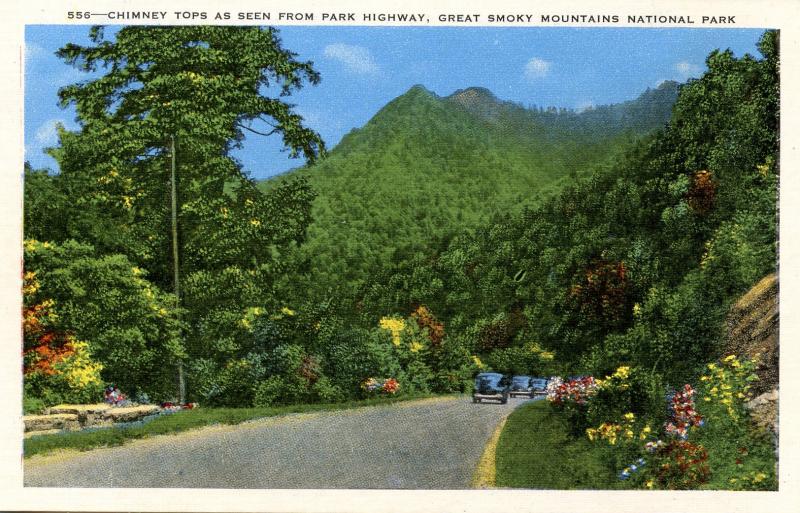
447, 236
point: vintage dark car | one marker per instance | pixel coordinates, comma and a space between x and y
521, 385
491, 385
539, 385
527, 386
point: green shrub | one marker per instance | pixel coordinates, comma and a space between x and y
32, 405
268, 392
324, 391
418, 378
514, 360
356, 354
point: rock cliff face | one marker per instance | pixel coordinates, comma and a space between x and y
753, 333
753, 330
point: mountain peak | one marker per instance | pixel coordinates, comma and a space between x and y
472, 97
419, 89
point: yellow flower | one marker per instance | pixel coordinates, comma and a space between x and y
629, 416
649, 484
415, 346
255, 222
729, 358
628, 434
395, 326
287, 311
711, 366
622, 372
477, 361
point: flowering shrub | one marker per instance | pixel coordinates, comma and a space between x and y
625, 429
627, 390
577, 391
428, 323
727, 383
570, 397
114, 397
680, 465
634, 467
395, 327
56, 366
553, 384
129, 325
684, 416
372, 386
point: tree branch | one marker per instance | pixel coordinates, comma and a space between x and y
256, 131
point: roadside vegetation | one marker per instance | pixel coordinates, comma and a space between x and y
613, 433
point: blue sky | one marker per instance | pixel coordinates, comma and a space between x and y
363, 68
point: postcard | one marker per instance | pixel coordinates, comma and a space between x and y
344, 256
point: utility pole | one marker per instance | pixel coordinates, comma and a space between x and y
175, 261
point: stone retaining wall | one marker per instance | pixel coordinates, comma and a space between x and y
78, 416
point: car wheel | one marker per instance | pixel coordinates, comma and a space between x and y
474, 400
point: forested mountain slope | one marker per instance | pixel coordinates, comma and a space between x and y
425, 168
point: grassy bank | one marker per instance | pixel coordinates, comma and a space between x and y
184, 421
534, 451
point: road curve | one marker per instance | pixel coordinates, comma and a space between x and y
426, 444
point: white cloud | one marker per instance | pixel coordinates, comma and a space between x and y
584, 106
687, 70
46, 134
356, 59
69, 76
33, 52
537, 68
